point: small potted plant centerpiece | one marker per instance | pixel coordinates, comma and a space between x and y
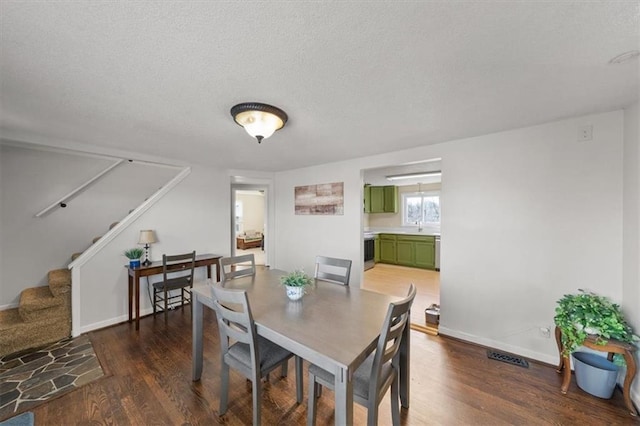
295, 283
134, 256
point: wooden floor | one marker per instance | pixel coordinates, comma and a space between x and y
394, 280
452, 383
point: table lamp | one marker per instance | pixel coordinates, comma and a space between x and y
147, 236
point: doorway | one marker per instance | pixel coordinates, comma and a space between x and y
249, 230
417, 215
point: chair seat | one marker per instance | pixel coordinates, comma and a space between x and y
271, 355
360, 378
173, 283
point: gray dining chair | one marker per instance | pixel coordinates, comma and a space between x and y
250, 354
236, 266
174, 278
377, 373
333, 269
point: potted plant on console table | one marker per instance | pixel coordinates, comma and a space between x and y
134, 256
590, 320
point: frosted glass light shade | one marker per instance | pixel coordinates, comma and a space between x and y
259, 120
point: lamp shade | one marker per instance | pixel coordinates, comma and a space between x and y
147, 236
259, 120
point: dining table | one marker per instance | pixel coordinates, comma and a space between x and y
333, 326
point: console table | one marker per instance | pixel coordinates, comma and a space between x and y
612, 347
156, 269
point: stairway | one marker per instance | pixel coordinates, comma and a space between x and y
43, 315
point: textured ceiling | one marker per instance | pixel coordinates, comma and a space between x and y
356, 78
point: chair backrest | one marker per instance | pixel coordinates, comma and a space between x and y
333, 269
230, 268
390, 337
235, 321
169, 269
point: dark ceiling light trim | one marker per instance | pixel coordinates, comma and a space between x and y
259, 120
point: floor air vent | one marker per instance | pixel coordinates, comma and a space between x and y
509, 359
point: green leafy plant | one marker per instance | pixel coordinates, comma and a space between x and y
585, 313
134, 253
296, 278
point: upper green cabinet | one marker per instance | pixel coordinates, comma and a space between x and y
381, 199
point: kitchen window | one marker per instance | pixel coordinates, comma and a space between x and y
421, 208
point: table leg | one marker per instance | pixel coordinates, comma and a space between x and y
405, 357
344, 398
130, 298
628, 378
197, 335
208, 271
137, 291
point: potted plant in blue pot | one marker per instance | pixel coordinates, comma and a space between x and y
588, 315
134, 256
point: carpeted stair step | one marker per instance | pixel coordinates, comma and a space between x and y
17, 335
74, 256
39, 302
95, 240
59, 281
113, 225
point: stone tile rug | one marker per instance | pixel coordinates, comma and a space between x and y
30, 378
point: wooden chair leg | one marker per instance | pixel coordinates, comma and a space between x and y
224, 388
257, 399
166, 306
155, 300
395, 401
285, 369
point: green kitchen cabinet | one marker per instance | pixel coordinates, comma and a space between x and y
425, 253
381, 199
391, 199
367, 199
376, 249
388, 248
377, 199
405, 252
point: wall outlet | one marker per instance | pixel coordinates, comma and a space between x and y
585, 133
545, 332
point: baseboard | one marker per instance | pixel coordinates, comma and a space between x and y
110, 322
8, 306
547, 359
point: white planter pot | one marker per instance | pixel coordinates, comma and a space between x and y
294, 293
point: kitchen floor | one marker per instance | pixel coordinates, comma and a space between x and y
394, 280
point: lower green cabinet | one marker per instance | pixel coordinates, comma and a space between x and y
425, 254
376, 249
408, 250
405, 252
387, 248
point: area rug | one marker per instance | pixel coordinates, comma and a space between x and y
28, 379
24, 419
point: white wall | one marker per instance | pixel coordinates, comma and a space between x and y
631, 230
531, 214
195, 215
253, 211
299, 238
32, 179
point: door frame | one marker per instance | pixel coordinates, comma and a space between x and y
268, 215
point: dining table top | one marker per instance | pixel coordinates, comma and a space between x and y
333, 325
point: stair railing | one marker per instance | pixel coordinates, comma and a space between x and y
62, 202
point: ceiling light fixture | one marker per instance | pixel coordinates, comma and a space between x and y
414, 175
259, 120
